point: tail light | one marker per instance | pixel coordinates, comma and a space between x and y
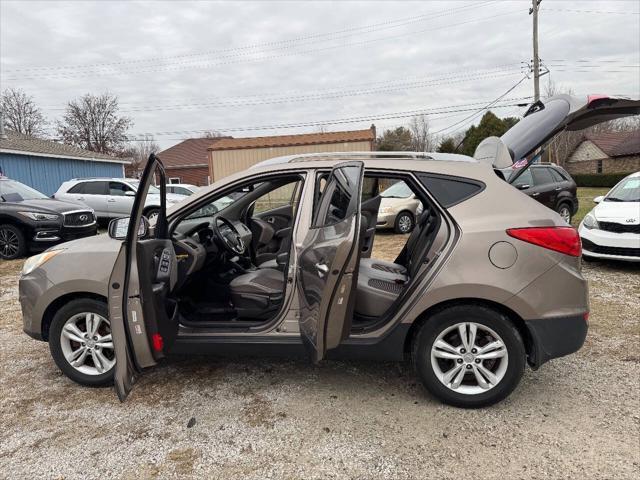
559, 239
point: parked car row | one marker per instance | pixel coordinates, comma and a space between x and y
32, 222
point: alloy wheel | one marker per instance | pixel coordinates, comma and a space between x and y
9, 243
405, 223
565, 214
87, 344
469, 358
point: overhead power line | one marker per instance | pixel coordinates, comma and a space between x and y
332, 35
180, 67
346, 120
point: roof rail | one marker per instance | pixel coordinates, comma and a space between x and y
309, 157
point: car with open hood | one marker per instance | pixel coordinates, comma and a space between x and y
612, 229
31, 222
488, 281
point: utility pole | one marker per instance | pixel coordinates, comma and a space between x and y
536, 60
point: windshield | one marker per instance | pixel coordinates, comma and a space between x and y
152, 190
12, 191
627, 190
397, 190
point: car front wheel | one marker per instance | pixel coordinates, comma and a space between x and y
12, 242
469, 356
81, 344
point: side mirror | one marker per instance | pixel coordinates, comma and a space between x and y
598, 199
118, 227
523, 186
129, 193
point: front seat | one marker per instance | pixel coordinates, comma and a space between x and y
257, 294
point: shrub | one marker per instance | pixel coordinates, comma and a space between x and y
598, 179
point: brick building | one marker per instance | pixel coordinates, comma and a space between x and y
614, 152
188, 161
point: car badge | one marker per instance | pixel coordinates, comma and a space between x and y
630, 220
83, 218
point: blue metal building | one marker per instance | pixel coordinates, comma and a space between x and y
44, 165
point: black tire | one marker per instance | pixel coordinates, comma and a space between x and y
565, 209
499, 323
400, 226
151, 212
72, 308
12, 242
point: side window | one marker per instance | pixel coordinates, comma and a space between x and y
449, 190
542, 176
337, 202
524, 179
77, 188
556, 175
95, 188
119, 189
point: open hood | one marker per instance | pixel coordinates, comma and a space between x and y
545, 119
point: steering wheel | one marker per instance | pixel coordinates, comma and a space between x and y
228, 235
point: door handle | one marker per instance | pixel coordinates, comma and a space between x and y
80, 198
322, 269
111, 200
535, 194
558, 189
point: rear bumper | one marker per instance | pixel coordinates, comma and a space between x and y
387, 220
556, 337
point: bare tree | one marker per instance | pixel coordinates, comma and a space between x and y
20, 113
92, 122
139, 154
212, 134
422, 140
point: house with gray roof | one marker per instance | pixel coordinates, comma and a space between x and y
45, 164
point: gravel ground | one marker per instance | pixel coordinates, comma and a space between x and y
577, 417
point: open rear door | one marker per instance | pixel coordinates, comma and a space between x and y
143, 318
328, 261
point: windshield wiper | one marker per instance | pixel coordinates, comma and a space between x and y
614, 199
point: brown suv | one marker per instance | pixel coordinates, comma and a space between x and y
488, 281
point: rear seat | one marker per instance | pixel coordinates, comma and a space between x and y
380, 282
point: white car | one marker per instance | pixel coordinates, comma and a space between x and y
182, 188
612, 229
111, 197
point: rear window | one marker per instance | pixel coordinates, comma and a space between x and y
542, 176
448, 190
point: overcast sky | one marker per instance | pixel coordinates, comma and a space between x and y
183, 67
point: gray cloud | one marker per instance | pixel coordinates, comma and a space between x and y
36, 34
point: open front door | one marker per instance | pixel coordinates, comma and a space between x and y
328, 262
143, 317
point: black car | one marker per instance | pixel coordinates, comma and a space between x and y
31, 222
552, 186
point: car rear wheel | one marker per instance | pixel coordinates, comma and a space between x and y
565, 212
404, 222
12, 242
81, 344
469, 356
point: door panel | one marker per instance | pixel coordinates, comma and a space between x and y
328, 262
143, 317
118, 203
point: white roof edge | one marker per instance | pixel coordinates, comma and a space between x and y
70, 157
432, 156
